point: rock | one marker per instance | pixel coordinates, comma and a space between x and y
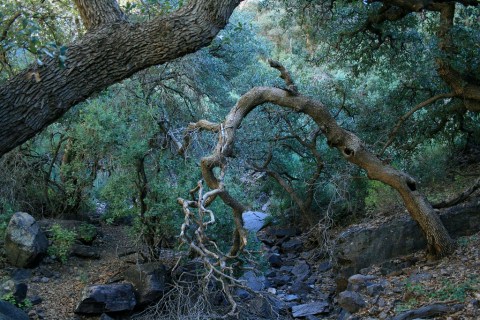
360, 247
254, 221
293, 245
422, 276
374, 289
281, 280
324, 266
310, 309
300, 288
351, 301
266, 307
97, 299
290, 297
254, 282
361, 279
25, 243
17, 290
105, 316
301, 270
275, 260
9, 312
21, 275
281, 232
286, 269
35, 300
270, 273
85, 252
358, 282
151, 281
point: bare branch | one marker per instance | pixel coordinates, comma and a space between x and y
393, 133
459, 198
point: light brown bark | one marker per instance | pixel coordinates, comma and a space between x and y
348, 144
105, 55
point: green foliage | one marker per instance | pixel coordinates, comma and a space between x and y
465, 241
62, 242
447, 291
5, 217
87, 232
9, 297
380, 198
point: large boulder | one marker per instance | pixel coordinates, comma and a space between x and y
151, 281
253, 220
9, 312
361, 246
97, 299
25, 243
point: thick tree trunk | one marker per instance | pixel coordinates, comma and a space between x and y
96, 13
105, 55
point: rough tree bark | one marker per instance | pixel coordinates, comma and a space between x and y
348, 144
113, 49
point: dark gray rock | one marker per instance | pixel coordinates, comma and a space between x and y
300, 288
253, 281
301, 270
35, 300
351, 301
275, 260
9, 312
18, 290
286, 269
281, 280
253, 220
97, 299
358, 282
310, 309
25, 243
270, 273
266, 307
420, 276
21, 275
280, 232
375, 289
324, 266
151, 281
360, 247
293, 245
105, 316
85, 252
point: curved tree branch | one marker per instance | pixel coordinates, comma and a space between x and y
350, 147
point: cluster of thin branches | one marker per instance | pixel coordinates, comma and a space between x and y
185, 301
193, 234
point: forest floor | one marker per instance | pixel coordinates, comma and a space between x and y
451, 280
60, 285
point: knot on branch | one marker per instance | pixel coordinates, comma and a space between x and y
291, 88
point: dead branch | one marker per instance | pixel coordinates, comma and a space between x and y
459, 198
213, 259
393, 133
